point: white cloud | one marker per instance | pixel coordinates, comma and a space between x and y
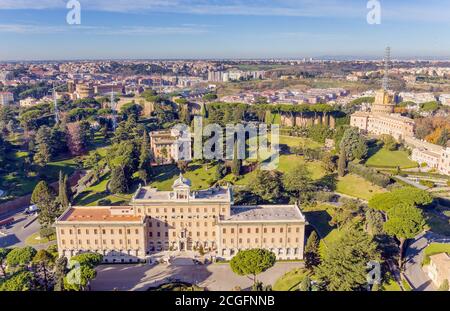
430, 10
100, 30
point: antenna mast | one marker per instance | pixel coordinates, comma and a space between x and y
387, 62
55, 104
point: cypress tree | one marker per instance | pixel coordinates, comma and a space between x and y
342, 164
312, 257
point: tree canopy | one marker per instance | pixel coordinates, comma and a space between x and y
252, 262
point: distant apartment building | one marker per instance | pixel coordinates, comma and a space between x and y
6, 98
215, 76
170, 146
417, 98
180, 220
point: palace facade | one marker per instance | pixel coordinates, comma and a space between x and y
382, 120
180, 220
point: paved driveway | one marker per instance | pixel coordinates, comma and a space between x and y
413, 263
214, 277
15, 234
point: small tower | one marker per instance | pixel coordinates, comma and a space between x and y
181, 188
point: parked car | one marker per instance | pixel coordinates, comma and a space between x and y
31, 209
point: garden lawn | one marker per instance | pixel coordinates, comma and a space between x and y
358, 187
35, 239
286, 164
289, 281
386, 158
201, 176
293, 141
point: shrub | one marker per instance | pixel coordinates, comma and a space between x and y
427, 183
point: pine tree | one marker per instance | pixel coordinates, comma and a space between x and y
342, 164
118, 182
60, 273
145, 159
63, 191
237, 163
344, 264
312, 257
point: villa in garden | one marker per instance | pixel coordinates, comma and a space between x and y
180, 220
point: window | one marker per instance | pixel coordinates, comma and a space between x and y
257, 230
249, 230
150, 234
62, 231
128, 231
206, 233
265, 230
224, 241
273, 230
63, 242
232, 230
112, 231
79, 241
281, 230
214, 233
120, 231
104, 241
87, 242
158, 234
297, 230
248, 241
79, 231
95, 242
240, 230
112, 242
103, 231
166, 234
225, 230
240, 241
95, 231
289, 230
198, 233
70, 231
137, 241
71, 242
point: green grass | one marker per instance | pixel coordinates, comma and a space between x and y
287, 162
35, 239
289, 281
292, 141
200, 175
391, 286
386, 158
356, 186
433, 249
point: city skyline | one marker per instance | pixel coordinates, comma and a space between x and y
192, 29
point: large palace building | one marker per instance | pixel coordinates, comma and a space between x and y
382, 120
180, 220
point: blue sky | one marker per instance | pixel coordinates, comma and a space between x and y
37, 29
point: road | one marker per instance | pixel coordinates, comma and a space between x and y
215, 277
15, 234
413, 260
